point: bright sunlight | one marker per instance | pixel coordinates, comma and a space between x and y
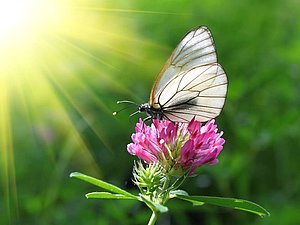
19, 17
22, 26
49, 52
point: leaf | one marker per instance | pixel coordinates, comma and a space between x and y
226, 202
153, 205
107, 195
102, 184
174, 193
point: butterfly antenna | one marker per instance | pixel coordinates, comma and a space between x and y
127, 102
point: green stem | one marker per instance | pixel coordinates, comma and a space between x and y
164, 195
153, 218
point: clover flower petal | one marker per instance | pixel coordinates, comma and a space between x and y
177, 146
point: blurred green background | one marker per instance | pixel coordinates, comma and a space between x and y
63, 66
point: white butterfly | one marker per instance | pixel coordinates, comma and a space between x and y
191, 83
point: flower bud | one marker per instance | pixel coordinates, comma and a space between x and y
148, 178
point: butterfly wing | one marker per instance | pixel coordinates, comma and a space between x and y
191, 83
198, 92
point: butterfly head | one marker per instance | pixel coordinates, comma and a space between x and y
151, 111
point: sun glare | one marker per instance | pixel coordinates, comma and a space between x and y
21, 19
13, 16
59, 59
52, 53
23, 25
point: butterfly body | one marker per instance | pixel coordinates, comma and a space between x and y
191, 84
151, 111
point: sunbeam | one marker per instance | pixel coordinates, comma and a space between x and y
44, 48
56, 58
